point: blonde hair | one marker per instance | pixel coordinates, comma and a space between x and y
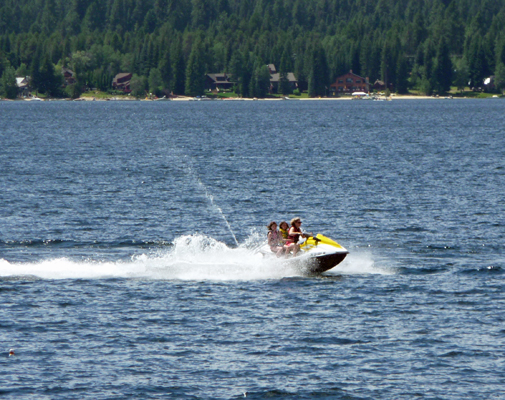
295, 220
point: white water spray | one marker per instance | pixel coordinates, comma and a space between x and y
211, 198
190, 258
195, 176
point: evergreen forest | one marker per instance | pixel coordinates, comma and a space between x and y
169, 45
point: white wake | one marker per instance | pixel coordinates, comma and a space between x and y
191, 258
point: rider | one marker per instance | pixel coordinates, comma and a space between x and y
294, 234
275, 240
283, 228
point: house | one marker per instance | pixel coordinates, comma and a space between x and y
349, 83
68, 76
272, 69
381, 86
275, 78
122, 82
218, 82
23, 84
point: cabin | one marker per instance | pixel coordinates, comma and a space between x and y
271, 69
349, 83
275, 78
217, 82
122, 82
23, 84
68, 76
380, 86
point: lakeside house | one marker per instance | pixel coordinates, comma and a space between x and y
275, 78
222, 81
380, 86
217, 82
23, 84
349, 83
122, 82
68, 76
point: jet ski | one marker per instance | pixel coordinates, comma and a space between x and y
317, 254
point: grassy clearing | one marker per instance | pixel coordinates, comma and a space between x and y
97, 94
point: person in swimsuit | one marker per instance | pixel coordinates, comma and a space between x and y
294, 234
275, 240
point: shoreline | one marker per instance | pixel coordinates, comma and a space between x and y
186, 98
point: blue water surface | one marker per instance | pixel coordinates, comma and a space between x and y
128, 237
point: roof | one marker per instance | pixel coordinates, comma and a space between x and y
21, 82
277, 77
121, 75
68, 70
219, 77
350, 73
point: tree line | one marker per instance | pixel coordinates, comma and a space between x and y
427, 45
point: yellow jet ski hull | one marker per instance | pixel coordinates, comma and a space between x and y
320, 253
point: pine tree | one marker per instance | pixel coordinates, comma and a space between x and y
195, 71
260, 81
461, 76
155, 81
36, 80
476, 61
429, 65
138, 85
165, 67
49, 16
319, 73
79, 7
284, 68
178, 70
8, 86
49, 82
150, 21
402, 75
389, 59
443, 68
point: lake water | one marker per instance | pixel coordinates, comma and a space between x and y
128, 233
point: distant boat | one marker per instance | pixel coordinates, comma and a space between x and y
361, 96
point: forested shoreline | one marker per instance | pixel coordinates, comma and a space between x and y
422, 45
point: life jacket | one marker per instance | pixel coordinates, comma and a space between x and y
295, 238
284, 233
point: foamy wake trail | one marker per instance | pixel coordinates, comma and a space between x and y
203, 258
190, 258
195, 258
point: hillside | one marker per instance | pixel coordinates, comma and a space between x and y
427, 45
